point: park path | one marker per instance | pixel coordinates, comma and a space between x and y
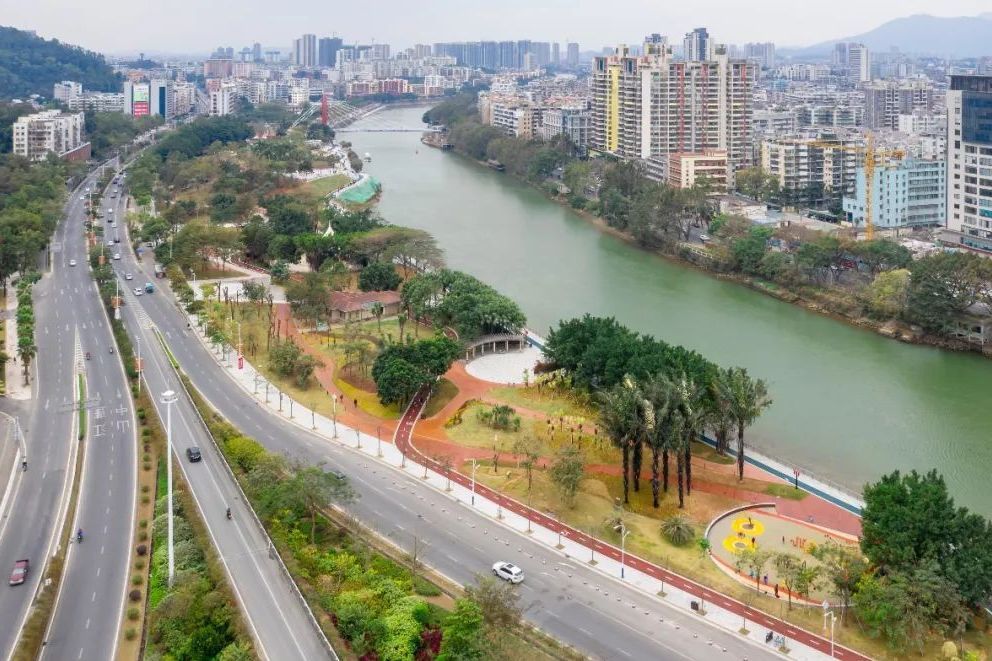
431, 439
402, 439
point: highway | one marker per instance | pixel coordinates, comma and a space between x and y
274, 612
40, 495
89, 609
581, 607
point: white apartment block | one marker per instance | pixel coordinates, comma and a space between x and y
653, 105
97, 102
686, 170
67, 90
572, 122
885, 100
48, 132
905, 193
969, 162
222, 100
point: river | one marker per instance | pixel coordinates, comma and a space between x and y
849, 405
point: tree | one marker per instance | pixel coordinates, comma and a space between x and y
749, 251
310, 490
910, 519
843, 567
567, 471
746, 398
528, 449
377, 312
678, 529
754, 560
309, 297
882, 254
396, 379
462, 639
793, 572
907, 608
317, 248
887, 294
498, 601
755, 182
621, 417
379, 276
942, 286
718, 416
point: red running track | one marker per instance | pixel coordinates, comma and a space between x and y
404, 432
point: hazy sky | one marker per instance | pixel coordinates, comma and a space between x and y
190, 26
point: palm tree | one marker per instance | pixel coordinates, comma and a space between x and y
377, 311
687, 419
621, 418
718, 417
658, 398
745, 398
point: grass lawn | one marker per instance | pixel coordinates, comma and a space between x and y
546, 401
472, 432
785, 491
443, 393
595, 505
319, 188
707, 452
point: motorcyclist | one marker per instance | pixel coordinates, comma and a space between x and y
229, 512
87, 355
79, 535
111, 350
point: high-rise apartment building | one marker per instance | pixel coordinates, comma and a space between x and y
572, 55
222, 100
555, 55
256, 52
697, 46
162, 98
653, 105
885, 100
858, 63
67, 90
817, 172
571, 121
305, 51
907, 193
136, 99
49, 132
327, 51
420, 51
969, 161
763, 54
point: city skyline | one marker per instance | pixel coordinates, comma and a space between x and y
118, 28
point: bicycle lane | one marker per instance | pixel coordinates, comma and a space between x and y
404, 432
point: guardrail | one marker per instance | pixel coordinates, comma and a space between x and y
258, 522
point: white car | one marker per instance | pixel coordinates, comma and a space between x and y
508, 572
72, 262
137, 291
117, 255
128, 276
109, 210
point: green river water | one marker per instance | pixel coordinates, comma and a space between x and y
849, 405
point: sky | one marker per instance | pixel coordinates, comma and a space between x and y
199, 26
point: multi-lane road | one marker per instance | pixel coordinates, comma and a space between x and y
595, 614
88, 612
69, 322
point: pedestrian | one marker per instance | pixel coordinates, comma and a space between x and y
783, 540
356, 402
752, 541
766, 579
749, 522
776, 590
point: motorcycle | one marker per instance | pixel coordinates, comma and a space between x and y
111, 350
79, 535
228, 512
87, 355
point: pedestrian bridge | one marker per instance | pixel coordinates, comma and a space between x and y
390, 129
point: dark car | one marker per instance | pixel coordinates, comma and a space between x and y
338, 474
193, 454
20, 572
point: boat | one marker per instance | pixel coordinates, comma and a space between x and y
368, 157
496, 165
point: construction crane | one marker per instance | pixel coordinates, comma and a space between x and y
871, 157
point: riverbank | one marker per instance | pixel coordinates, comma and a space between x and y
821, 302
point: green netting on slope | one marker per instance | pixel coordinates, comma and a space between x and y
361, 193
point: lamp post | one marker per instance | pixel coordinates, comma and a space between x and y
169, 398
378, 441
358, 439
473, 481
334, 415
623, 548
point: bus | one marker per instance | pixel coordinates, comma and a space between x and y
159, 271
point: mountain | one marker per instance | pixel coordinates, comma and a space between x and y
961, 36
32, 65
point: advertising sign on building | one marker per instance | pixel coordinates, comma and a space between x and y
139, 100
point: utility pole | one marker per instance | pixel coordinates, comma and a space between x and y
169, 398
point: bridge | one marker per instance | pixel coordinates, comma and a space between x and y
390, 129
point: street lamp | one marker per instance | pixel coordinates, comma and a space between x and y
473, 481
334, 415
378, 440
169, 398
623, 548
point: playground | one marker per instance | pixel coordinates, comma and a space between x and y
761, 528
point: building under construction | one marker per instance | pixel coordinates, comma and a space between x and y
651, 105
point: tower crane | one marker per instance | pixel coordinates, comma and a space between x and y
871, 157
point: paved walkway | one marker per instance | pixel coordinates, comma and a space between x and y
403, 443
633, 571
14, 378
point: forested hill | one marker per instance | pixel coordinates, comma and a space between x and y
32, 65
